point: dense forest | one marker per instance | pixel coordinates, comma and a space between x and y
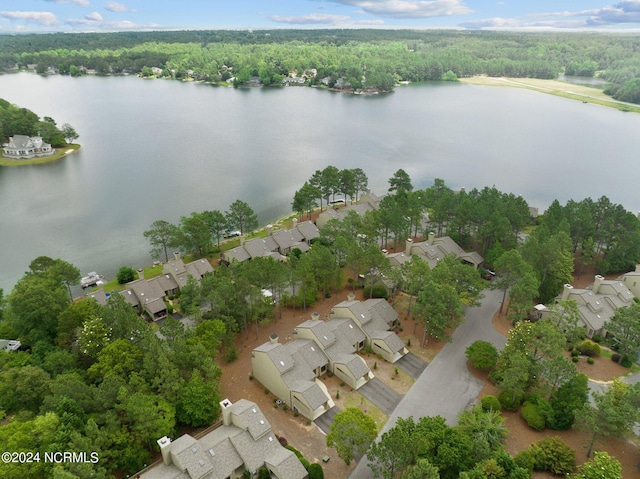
370, 59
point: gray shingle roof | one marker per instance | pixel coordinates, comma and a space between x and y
308, 230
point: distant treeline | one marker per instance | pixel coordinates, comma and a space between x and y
362, 58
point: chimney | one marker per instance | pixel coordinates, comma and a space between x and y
140, 273
176, 255
566, 292
225, 406
351, 297
597, 283
315, 316
638, 268
407, 247
432, 236
273, 338
165, 449
295, 223
241, 240
269, 230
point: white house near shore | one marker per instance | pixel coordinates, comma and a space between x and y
27, 147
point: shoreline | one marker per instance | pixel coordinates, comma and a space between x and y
583, 93
68, 150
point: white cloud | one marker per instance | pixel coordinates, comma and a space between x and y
117, 7
41, 18
409, 8
311, 19
82, 3
91, 19
623, 12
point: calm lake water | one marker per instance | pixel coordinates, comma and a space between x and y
157, 149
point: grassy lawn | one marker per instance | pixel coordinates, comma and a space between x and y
60, 153
583, 93
354, 399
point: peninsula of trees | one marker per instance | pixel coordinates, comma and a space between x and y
354, 59
21, 121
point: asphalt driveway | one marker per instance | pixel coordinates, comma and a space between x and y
411, 364
381, 395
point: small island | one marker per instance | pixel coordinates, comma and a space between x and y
31, 140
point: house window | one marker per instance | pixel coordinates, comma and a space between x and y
323, 369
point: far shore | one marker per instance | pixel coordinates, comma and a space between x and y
60, 153
583, 93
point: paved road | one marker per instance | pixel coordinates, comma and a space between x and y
446, 387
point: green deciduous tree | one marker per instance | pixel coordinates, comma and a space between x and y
615, 412
625, 327
69, 132
162, 235
482, 354
125, 275
241, 216
351, 434
400, 181
199, 402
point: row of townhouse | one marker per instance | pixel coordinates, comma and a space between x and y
149, 295
433, 250
596, 304
242, 445
277, 244
291, 371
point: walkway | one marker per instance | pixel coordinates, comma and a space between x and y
446, 387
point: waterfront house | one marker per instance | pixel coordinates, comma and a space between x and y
242, 444
27, 147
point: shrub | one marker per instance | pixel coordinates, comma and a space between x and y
525, 460
337, 394
575, 353
575, 359
506, 398
341, 383
490, 402
531, 414
375, 292
315, 471
125, 274
615, 357
263, 473
590, 360
482, 354
375, 365
589, 348
597, 338
408, 341
626, 362
266, 391
553, 455
231, 354
250, 377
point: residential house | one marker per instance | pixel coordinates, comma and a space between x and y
376, 318
277, 244
9, 345
27, 147
180, 272
632, 281
596, 304
244, 443
340, 339
367, 202
291, 371
433, 250
150, 296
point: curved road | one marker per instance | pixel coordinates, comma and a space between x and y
446, 387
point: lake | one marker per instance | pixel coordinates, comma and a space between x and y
160, 149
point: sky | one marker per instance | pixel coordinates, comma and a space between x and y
21, 16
